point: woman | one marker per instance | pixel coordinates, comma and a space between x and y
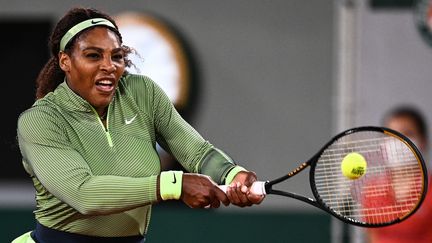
89, 143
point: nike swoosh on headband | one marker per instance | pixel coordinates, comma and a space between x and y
82, 26
99, 21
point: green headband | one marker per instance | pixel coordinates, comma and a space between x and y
82, 26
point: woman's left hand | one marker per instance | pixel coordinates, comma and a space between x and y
238, 191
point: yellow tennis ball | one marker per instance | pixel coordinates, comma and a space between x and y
353, 166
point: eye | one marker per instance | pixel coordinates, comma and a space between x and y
117, 57
93, 55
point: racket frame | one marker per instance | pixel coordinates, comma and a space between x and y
312, 162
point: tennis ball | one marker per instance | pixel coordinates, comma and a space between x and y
353, 165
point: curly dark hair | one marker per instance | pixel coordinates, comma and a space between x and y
51, 74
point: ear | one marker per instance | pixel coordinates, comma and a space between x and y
64, 61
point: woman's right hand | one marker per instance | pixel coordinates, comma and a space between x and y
199, 191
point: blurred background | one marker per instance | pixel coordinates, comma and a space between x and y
269, 82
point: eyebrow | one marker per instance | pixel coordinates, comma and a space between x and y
102, 50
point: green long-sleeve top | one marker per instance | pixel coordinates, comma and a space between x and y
101, 181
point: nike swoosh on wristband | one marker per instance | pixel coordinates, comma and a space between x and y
95, 22
127, 122
175, 179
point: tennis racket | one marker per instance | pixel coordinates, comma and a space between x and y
391, 189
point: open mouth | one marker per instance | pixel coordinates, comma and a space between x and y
105, 85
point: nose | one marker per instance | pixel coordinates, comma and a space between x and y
107, 65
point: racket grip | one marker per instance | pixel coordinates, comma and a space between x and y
256, 188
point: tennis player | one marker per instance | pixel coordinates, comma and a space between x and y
89, 143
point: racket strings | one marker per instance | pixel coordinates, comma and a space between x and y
400, 179
390, 189
369, 191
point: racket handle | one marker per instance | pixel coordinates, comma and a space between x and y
256, 188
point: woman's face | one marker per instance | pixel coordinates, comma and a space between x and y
95, 66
